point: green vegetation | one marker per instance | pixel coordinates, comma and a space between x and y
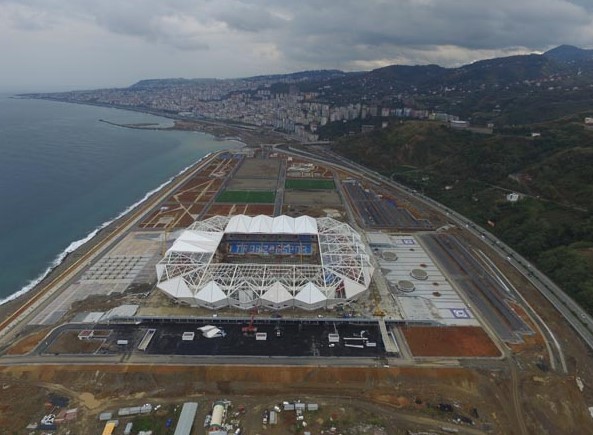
552, 225
247, 197
161, 423
310, 184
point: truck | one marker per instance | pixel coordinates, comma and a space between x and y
265, 416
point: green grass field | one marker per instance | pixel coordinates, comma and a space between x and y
310, 184
246, 197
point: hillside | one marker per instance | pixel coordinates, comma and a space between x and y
552, 225
569, 53
505, 91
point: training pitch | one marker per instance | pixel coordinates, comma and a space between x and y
310, 184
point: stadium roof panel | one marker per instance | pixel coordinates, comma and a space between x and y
238, 224
277, 293
267, 225
283, 225
310, 294
177, 287
196, 241
211, 293
305, 225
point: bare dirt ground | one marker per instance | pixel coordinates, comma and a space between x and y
313, 211
68, 343
317, 172
546, 393
378, 395
180, 209
28, 343
233, 209
450, 342
252, 184
257, 209
313, 198
258, 168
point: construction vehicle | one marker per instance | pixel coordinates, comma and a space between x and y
250, 329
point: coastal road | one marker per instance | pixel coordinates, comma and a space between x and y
578, 318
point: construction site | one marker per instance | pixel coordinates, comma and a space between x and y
262, 281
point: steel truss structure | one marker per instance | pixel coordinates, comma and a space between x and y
190, 273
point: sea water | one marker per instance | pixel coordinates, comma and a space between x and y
64, 174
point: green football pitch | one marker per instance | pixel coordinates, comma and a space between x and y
310, 184
247, 197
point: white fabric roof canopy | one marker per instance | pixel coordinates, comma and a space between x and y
267, 225
196, 241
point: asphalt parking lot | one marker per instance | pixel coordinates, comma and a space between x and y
378, 212
293, 340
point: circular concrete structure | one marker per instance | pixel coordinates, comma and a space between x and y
389, 255
406, 286
419, 274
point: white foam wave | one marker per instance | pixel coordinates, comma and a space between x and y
78, 243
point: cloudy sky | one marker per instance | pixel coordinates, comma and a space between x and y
73, 44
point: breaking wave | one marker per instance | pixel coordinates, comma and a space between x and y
78, 243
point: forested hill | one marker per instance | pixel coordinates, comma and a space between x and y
552, 224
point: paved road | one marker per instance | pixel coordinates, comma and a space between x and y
578, 318
280, 189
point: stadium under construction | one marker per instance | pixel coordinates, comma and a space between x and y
277, 263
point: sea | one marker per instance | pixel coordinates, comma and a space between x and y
64, 174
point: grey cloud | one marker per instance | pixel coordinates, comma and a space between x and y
171, 27
26, 17
263, 36
473, 24
353, 31
250, 19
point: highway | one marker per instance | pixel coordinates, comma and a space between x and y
578, 318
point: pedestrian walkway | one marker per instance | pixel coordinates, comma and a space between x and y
388, 341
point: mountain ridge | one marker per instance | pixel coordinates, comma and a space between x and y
569, 53
563, 53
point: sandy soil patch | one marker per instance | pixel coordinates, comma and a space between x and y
257, 168
456, 341
28, 343
312, 198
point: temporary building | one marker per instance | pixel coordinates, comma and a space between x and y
186, 418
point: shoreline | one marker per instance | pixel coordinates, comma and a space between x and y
249, 135
177, 126
79, 247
